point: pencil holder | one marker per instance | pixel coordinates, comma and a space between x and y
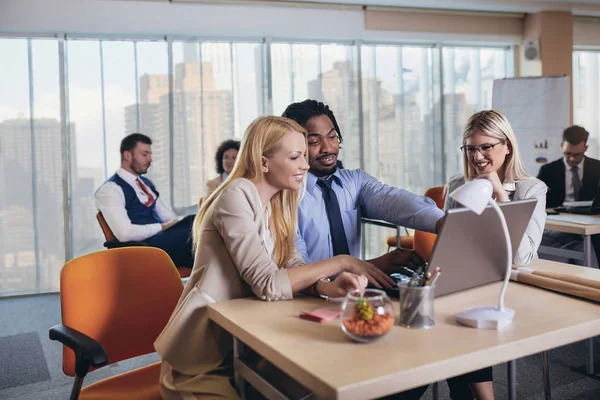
416, 306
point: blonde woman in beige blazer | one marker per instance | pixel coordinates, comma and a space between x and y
244, 240
490, 151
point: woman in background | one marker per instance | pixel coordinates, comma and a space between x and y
224, 162
490, 151
244, 241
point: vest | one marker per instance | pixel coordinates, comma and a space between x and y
138, 213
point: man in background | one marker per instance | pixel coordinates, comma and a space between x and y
574, 177
134, 210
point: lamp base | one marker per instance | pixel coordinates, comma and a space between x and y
489, 317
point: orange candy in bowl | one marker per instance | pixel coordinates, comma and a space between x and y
368, 317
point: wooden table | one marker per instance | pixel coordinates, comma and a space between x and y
323, 359
585, 230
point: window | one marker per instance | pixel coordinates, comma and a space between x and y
189, 96
468, 76
586, 96
397, 107
31, 218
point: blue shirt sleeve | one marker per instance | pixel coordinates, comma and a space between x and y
397, 206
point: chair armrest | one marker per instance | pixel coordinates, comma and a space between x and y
113, 244
88, 352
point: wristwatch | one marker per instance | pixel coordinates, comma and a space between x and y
317, 292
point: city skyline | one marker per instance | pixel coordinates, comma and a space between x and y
214, 99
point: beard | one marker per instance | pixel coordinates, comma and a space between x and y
138, 168
323, 171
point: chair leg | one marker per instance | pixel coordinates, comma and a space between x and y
76, 388
435, 390
546, 372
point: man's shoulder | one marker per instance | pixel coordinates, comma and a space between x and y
593, 161
552, 165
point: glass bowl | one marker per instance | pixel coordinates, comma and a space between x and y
368, 317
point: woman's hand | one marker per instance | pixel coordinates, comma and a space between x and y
343, 283
373, 274
499, 194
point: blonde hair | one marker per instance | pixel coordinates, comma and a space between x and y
493, 124
263, 138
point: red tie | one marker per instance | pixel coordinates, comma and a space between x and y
145, 190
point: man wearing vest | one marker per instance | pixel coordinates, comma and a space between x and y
134, 210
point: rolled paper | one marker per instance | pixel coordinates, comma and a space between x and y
561, 277
556, 285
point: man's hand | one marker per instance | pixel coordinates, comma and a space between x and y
394, 260
169, 224
374, 275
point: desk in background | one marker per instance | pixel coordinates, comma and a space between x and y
324, 360
567, 224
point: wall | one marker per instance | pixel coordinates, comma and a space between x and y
229, 20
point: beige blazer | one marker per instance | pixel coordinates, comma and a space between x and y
231, 262
213, 184
524, 189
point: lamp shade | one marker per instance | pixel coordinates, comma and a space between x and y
475, 195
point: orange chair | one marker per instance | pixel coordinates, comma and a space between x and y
112, 243
438, 194
114, 305
424, 241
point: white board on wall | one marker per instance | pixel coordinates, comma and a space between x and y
538, 111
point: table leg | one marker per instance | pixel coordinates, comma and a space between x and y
546, 372
589, 368
512, 380
240, 383
587, 251
398, 229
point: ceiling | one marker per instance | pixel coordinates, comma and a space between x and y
578, 7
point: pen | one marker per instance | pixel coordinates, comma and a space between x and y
435, 278
429, 281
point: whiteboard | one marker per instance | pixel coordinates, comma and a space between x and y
538, 111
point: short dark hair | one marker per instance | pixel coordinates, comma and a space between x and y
223, 147
307, 109
575, 134
130, 141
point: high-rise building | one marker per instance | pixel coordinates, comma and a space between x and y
202, 119
31, 213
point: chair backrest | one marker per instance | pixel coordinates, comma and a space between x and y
424, 241
108, 235
438, 194
123, 298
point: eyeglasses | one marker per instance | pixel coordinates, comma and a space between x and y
574, 155
484, 149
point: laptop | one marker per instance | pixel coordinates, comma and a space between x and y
470, 249
582, 207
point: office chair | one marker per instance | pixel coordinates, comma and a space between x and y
112, 243
438, 194
114, 305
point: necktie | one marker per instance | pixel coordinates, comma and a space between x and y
148, 192
576, 183
334, 215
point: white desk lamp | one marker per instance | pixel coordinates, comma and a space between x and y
476, 195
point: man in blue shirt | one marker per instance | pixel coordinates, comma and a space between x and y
356, 193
